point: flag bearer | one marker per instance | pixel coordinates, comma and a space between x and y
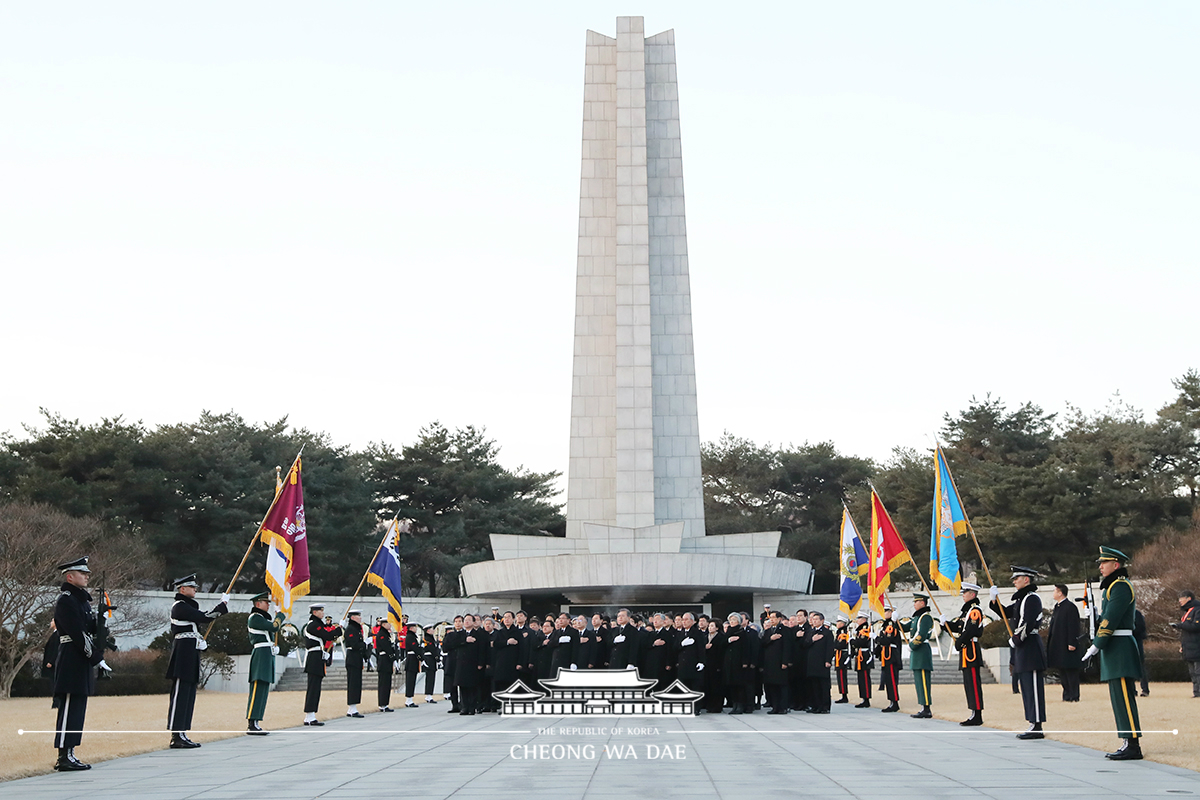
262, 630
966, 629
1120, 662
841, 656
862, 658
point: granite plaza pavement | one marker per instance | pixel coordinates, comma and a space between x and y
426, 754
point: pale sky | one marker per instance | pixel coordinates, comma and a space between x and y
364, 215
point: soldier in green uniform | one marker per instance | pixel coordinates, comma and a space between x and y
262, 630
920, 654
1120, 662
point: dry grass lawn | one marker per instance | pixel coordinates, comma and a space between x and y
34, 754
1170, 706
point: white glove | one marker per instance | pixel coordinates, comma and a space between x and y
620, 638
225, 598
564, 639
274, 650
1012, 643
994, 592
699, 668
687, 641
1091, 651
574, 667
104, 665
201, 644
942, 618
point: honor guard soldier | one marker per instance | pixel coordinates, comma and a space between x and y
966, 630
841, 656
1120, 662
262, 630
356, 658
888, 645
862, 658
920, 654
316, 634
77, 654
184, 666
1029, 653
387, 653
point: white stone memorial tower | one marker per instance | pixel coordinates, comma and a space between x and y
635, 501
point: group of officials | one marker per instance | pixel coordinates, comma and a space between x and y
734, 663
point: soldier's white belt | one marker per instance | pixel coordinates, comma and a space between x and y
314, 649
188, 635
262, 644
1124, 632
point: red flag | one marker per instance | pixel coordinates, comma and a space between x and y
887, 553
286, 538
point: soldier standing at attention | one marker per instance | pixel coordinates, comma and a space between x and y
184, 666
920, 654
316, 634
841, 656
387, 653
77, 654
862, 657
888, 644
356, 658
1120, 662
967, 629
262, 630
1029, 653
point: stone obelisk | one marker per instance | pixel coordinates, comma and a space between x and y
635, 440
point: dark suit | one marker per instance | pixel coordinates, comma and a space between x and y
626, 641
450, 663
1064, 634
777, 642
472, 659
818, 656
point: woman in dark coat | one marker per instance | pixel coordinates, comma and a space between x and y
713, 658
737, 667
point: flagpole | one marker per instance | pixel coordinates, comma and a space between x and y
254, 540
910, 558
386, 534
971, 529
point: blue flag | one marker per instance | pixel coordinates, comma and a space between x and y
949, 520
854, 565
384, 574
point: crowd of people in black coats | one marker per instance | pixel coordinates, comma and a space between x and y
732, 661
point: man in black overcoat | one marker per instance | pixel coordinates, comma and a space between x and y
1063, 650
469, 668
777, 641
625, 641
450, 664
184, 666
818, 647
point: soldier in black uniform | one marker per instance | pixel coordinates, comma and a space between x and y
184, 666
429, 663
316, 634
77, 654
888, 650
841, 657
1029, 653
387, 652
861, 659
412, 662
966, 630
356, 657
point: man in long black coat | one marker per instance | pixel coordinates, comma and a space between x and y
184, 666
777, 642
1029, 653
356, 657
818, 646
450, 664
657, 661
1063, 651
591, 652
625, 641
798, 627
78, 653
564, 646
506, 653
688, 650
472, 659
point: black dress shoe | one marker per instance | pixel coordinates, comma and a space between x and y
1130, 751
431, 702
388, 710
181, 742
924, 713
316, 723
1034, 732
256, 732
843, 700
864, 704
67, 762
356, 715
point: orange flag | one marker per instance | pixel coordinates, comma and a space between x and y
887, 553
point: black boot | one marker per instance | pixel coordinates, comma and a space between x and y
67, 762
975, 720
894, 707
1034, 732
737, 709
180, 741
924, 713
864, 704
253, 729
1130, 751
843, 700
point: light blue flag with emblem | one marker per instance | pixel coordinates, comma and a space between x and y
949, 520
384, 574
854, 566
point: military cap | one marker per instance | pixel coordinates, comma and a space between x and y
971, 587
1112, 554
920, 596
260, 596
843, 618
78, 565
863, 615
316, 607
1028, 572
186, 580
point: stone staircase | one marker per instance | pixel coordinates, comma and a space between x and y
294, 679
